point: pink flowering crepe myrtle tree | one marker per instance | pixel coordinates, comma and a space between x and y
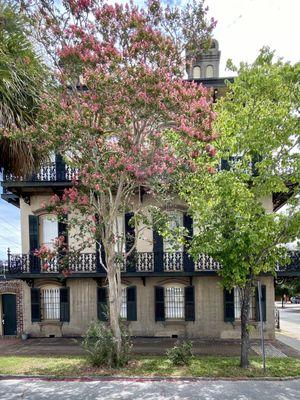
122, 114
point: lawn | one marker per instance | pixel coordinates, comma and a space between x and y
215, 367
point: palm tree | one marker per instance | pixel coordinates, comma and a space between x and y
22, 77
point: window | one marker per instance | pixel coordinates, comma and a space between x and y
123, 313
50, 301
49, 230
175, 222
237, 305
209, 71
119, 233
174, 302
197, 72
173, 252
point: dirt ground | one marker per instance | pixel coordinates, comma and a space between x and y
147, 346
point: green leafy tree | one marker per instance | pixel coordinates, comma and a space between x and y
258, 123
120, 94
22, 78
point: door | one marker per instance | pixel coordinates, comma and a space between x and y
9, 314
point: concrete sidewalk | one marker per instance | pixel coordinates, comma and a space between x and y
289, 333
146, 346
151, 390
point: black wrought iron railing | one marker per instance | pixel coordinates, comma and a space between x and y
61, 172
49, 172
138, 262
90, 263
293, 265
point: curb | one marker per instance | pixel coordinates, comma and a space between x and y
87, 378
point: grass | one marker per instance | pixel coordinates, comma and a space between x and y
149, 366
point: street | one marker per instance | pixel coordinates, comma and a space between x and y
289, 324
158, 390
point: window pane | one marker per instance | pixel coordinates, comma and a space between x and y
119, 233
196, 72
209, 71
51, 303
123, 313
174, 302
237, 305
175, 221
49, 231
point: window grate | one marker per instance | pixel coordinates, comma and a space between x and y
50, 299
123, 313
237, 305
174, 302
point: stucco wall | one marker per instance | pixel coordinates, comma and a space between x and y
145, 235
209, 310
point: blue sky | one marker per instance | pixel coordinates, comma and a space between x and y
10, 230
244, 27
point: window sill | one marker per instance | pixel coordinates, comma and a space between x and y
51, 322
175, 321
252, 322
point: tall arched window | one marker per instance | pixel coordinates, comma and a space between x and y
209, 71
197, 72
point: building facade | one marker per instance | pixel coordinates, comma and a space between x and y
164, 292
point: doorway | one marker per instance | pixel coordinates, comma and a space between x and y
9, 314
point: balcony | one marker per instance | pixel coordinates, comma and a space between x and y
53, 177
140, 264
49, 172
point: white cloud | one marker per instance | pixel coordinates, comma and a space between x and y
245, 26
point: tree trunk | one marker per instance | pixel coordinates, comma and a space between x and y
115, 296
245, 298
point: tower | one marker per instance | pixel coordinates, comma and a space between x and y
206, 64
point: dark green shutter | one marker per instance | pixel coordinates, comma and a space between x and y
189, 302
129, 242
159, 303
63, 228
131, 304
33, 232
187, 259
228, 305
60, 167
158, 248
35, 305
263, 303
102, 303
34, 243
65, 304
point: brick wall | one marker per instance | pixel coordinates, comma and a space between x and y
15, 287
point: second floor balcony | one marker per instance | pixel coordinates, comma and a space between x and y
48, 172
138, 264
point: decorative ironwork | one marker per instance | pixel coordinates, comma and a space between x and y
173, 261
145, 262
51, 265
206, 263
83, 262
142, 262
50, 172
19, 263
120, 262
294, 265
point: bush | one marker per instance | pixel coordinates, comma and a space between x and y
101, 346
181, 353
